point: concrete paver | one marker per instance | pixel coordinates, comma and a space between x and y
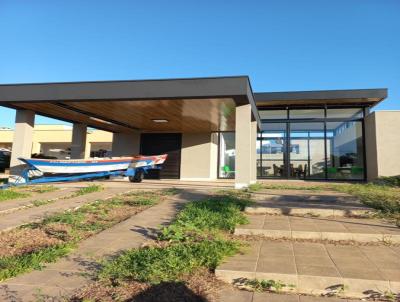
74, 271
314, 267
320, 228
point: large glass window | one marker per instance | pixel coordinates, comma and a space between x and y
307, 150
273, 114
226, 165
345, 113
306, 113
345, 150
272, 150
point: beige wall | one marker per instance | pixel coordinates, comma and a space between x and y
55, 135
199, 156
125, 144
382, 143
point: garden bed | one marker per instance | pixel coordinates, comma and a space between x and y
32, 245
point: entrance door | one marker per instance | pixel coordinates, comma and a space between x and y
160, 143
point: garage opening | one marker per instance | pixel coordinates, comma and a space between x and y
160, 143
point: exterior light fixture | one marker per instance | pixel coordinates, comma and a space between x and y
160, 120
100, 120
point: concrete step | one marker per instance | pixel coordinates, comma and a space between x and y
319, 228
297, 202
317, 269
236, 295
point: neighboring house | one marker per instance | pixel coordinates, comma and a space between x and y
218, 127
55, 141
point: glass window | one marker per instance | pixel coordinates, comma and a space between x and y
306, 113
273, 114
345, 150
344, 113
307, 150
272, 148
226, 155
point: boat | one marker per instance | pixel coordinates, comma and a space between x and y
93, 165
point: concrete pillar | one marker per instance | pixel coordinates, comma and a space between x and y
88, 147
36, 147
244, 138
126, 144
22, 141
78, 144
253, 152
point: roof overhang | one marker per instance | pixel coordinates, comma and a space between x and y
356, 97
208, 104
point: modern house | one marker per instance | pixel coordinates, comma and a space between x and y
219, 128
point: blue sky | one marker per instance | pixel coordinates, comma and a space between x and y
282, 45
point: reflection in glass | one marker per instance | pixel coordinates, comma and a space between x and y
307, 150
345, 151
271, 148
226, 167
306, 113
273, 114
345, 113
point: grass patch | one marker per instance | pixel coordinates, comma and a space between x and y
155, 265
380, 197
13, 266
392, 181
88, 190
8, 194
295, 187
59, 233
267, 285
43, 189
197, 239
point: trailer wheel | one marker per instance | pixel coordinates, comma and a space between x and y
139, 175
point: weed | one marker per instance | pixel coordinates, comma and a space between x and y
42, 202
8, 194
255, 187
156, 264
43, 189
294, 187
13, 266
218, 213
266, 285
88, 190
382, 198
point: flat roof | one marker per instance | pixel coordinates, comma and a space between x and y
317, 97
189, 104
128, 105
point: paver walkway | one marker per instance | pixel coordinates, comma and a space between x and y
316, 268
12, 205
320, 228
72, 272
310, 265
16, 219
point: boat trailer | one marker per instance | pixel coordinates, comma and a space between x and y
31, 175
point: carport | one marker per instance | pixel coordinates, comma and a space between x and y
145, 117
